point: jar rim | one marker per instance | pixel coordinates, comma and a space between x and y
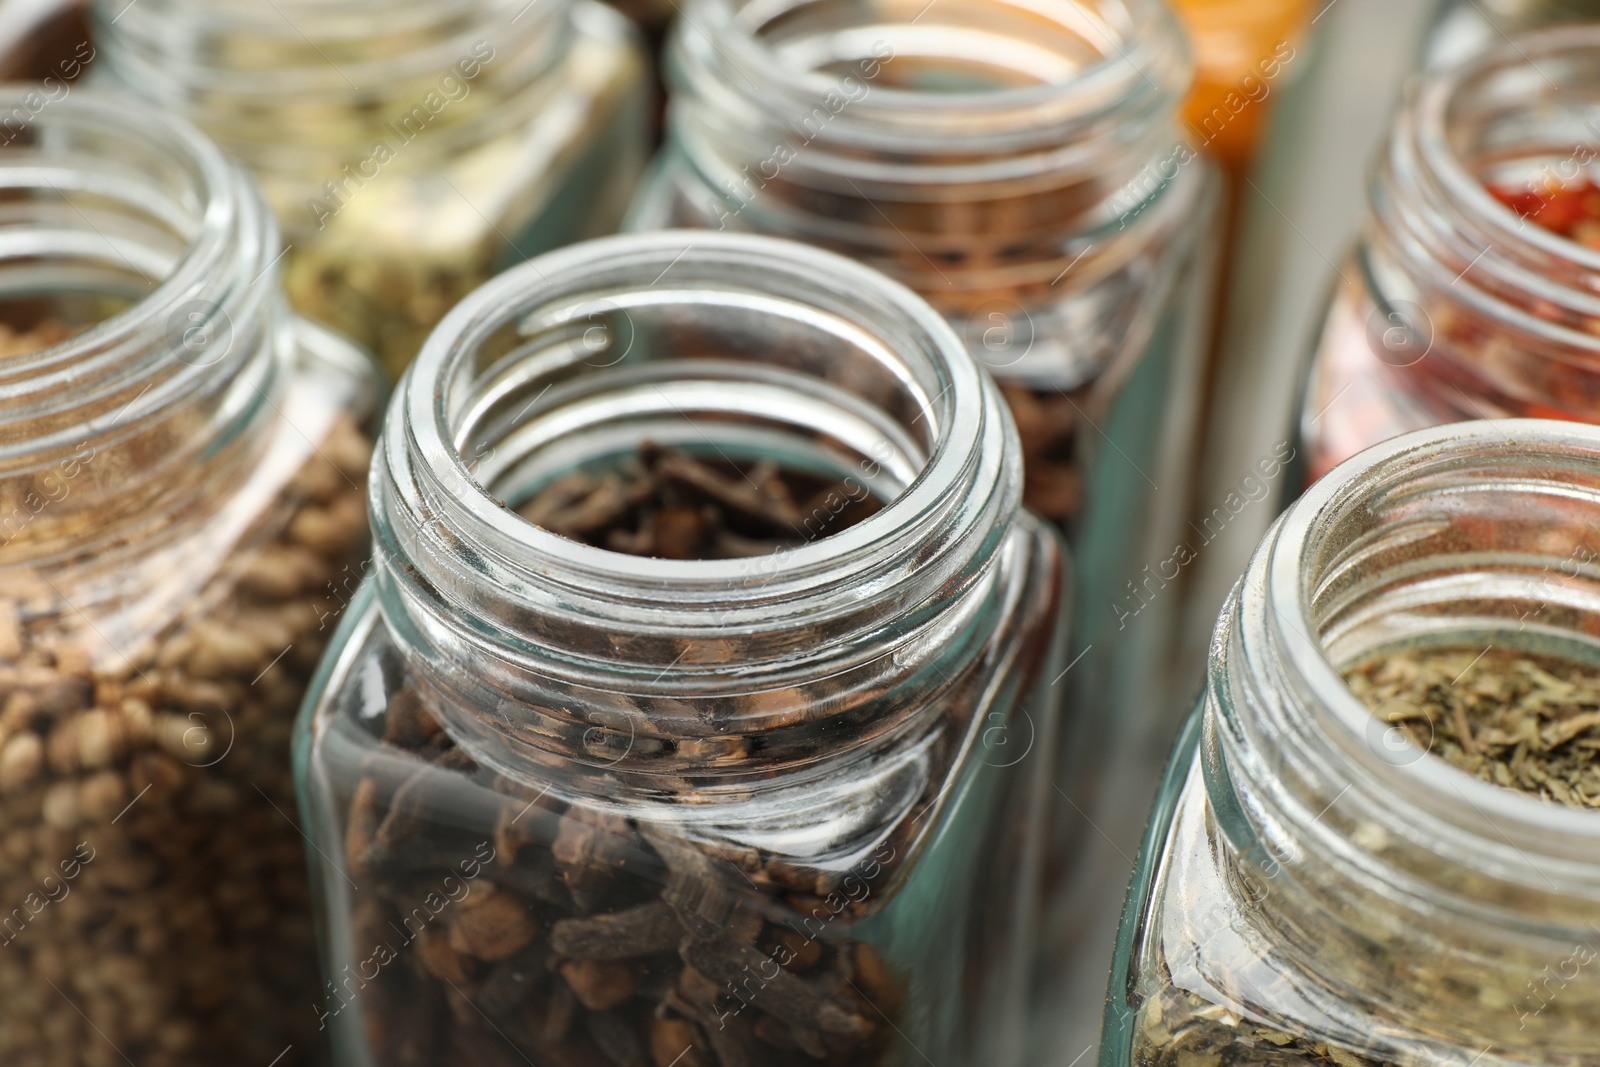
569, 273
1150, 65
219, 270
1441, 90
1378, 469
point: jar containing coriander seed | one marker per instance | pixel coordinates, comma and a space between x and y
182, 514
411, 148
1379, 840
697, 710
1471, 293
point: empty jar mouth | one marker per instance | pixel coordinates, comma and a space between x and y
731, 347
129, 229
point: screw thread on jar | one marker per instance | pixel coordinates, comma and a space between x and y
986, 154
739, 346
1489, 306
1351, 845
162, 254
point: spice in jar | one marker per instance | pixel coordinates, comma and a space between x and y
668, 730
1572, 211
668, 503
146, 794
1525, 722
595, 939
587, 939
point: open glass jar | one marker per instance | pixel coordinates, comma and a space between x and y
583, 807
1022, 170
1459, 302
411, 148
181, 513
1320, 883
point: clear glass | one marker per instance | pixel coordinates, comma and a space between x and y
182, 515
573, 805
411, 148
1022, 170
1316, 887
1462, 28
1453, 306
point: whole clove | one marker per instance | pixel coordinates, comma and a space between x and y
605, 939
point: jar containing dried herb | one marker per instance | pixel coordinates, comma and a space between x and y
698, 707
1379, 840
1472, 292
182, 514
1022, 170
410, 148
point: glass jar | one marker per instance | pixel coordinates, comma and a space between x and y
1317, 885
1464, 27
182, 515
410, 148
1022, 170
575, 806
1453, 305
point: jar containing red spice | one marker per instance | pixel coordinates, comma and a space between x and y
1475, 289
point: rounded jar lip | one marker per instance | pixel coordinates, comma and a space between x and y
105, 344
1008, 116
332, 24
1435, 101
582, 270
1382, 465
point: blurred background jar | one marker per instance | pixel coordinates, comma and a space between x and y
1321, 882
1471, 291
757, 801
410, 148
1461, 28
1242, 50
182, 516
1023, 171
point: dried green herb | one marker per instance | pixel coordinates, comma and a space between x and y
1176, 1028
1530, 723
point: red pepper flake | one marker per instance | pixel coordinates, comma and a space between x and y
1571, 211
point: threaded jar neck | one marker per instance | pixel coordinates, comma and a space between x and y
300, 85
974, 136
1354, 845
737, 348
131, 228
1501, 308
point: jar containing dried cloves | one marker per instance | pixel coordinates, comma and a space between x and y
1379, 841
1471, 293
697, 710
411, 148
182, 513
1021, 168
